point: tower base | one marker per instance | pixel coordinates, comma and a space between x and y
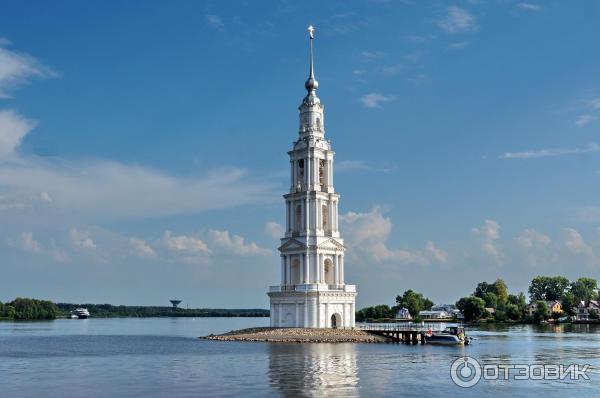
306, 306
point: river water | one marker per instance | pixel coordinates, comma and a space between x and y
162, 357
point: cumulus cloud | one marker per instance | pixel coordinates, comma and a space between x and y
457, 20
215, 22
13, 128
105, 189
529, 7
575, 243
141, 248
28, 244
185, 244
458, 45
374, 100
234, 244
274, 230
489, 234
17, 68
367, 233
82, 239
542, 153
585, 119
530, 238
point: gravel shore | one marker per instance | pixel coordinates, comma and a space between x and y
298, 335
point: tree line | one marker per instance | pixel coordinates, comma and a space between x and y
492, 301
132, 311
27, 309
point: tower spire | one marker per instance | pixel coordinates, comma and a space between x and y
311, 84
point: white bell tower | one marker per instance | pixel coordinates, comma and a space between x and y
312, 292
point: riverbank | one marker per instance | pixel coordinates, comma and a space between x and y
298, 335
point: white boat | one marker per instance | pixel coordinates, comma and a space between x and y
80, 313
450, 336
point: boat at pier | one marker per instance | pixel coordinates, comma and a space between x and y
450, 336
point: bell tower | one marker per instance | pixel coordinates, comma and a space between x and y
312, 291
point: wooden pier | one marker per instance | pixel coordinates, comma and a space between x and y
402, 332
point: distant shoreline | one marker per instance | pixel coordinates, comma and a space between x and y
139, 311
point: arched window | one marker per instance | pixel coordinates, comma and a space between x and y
300, 171
325, 214
298, 219
321, 171
319, 122
328, 270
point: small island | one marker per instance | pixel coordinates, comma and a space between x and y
299, 335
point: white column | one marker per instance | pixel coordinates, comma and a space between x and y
341, 269
293, 174
317, 268
303, 262
329, 173
322, 268
307, 271
307, 215
288, 270
336, 270
283, 269
336, 217
279, 311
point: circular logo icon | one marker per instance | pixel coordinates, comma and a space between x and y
465, 372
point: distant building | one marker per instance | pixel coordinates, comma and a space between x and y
585, 308
430, 314
554, 306
403, 313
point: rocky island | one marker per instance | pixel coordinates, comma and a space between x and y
299, 335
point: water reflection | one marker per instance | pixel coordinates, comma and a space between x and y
314, 369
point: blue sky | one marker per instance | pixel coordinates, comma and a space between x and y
143, 145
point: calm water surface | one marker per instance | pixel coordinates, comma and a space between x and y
162, 357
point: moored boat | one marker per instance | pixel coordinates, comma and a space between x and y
450, 336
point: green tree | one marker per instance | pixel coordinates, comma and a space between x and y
512, 312
569, 304
548, 288
414, 302
491, 300
482, 288
375, 312
583, 289
501, 291
542, 312
471, 307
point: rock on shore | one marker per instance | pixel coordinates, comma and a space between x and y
298, 335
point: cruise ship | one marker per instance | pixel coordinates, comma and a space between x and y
80, 313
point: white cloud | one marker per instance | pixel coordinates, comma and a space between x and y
392, 70
274, 230
530, 238
81, 239
594, 103
45, 197
575, 243
367, 233
141, 248
17, 68
541, 153
234, 244
349, 165
215, 22
13, 128
457, 20
585, 213
529, 7
185, 244
371, 55
374, 100
110, 190
28, 244
489, 234
458, 45
585, 119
